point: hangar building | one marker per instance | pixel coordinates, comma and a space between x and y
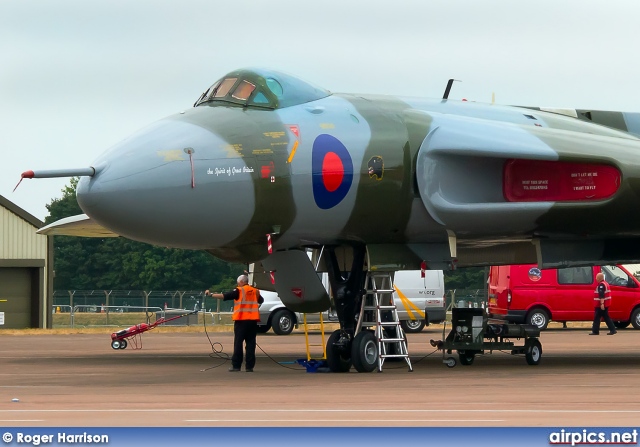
26, 270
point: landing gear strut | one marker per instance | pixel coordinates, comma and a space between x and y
347, 294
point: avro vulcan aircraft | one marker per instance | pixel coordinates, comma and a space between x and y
266, 166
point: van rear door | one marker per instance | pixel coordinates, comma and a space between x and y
572, 299
409, 296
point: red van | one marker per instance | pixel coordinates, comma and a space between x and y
527, 294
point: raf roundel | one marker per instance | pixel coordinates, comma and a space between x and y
332, 170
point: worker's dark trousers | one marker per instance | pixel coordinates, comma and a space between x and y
244, 331
602, 313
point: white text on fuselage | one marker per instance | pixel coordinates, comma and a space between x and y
229, 171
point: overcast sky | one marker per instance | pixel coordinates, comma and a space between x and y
78, 76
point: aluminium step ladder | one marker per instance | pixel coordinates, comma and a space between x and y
379, 310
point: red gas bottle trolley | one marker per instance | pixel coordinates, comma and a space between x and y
133, 334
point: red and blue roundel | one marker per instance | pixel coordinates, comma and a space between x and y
332, 171
535, 274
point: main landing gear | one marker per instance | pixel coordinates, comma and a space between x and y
344, 349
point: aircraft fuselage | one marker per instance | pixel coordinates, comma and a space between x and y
343, 169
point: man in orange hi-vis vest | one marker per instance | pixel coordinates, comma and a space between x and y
247, 300
602, 301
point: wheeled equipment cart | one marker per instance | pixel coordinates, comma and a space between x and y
473, 333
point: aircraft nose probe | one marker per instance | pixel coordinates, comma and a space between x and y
54, 173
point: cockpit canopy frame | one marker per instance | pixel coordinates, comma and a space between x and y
261, 89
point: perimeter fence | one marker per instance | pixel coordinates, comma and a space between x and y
87, 308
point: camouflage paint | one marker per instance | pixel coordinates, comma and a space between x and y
403, 175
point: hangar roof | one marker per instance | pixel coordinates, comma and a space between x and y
15, 209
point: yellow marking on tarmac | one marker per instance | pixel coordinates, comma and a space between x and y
408, 305
172, 155
293, 151
3, 301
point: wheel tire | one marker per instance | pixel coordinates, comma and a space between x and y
282, 322
466, 357
635, 318
263, 328
450, 362
621, 324
364, 352
413, 326
539, 318
123, 344
115, 344
336, 358
533, 351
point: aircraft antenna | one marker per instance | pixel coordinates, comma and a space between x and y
448, 89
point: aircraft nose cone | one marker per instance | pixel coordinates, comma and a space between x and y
145, 189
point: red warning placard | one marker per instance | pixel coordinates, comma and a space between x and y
558, 181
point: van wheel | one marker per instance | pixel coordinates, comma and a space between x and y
635, 318
282, 322
621, 324
413, 326
533, 351
539, 318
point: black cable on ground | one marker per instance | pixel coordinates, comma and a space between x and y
215, 352
218, 353
278, 363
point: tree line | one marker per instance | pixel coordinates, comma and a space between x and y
82, 263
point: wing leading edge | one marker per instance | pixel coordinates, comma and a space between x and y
79, 225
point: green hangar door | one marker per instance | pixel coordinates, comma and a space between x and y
15, 297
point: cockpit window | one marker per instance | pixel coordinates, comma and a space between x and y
243, 90
260, 99
275, 87
224, 88
262, 89
206, 94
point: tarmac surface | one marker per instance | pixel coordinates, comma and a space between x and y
175, 380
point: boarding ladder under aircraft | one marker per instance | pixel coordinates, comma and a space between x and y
379, 310
323, 343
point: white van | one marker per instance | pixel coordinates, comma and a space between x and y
419, 301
